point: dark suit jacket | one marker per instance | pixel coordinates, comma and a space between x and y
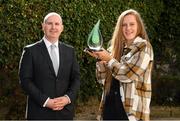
38, 80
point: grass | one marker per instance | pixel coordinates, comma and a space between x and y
88, 111
165, 112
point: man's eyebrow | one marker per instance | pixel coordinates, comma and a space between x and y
48, 22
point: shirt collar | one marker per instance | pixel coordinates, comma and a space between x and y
48, 44
136, 40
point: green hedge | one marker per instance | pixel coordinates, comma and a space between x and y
166, 91
21, 25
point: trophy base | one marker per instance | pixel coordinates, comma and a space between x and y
92, 50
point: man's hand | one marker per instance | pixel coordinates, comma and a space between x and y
51, 104
57, 103
60, 102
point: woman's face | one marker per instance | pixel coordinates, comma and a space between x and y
129, 27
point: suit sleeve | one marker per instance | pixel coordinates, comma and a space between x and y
75, 79
26, 75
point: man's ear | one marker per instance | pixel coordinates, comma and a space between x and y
62, 29
42, 25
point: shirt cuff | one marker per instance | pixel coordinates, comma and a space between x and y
44, 105
132, 118
111, 62
69, 100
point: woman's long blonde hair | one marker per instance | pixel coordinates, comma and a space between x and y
118, 41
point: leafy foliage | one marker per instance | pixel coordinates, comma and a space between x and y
166, 91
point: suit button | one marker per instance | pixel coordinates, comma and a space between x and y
115, 92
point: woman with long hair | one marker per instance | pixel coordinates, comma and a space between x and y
125, 70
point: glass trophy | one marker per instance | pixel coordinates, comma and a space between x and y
95, 40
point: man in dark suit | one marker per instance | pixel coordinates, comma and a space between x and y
49, 74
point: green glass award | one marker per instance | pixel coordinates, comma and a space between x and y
95, 39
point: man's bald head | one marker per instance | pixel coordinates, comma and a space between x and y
51, 14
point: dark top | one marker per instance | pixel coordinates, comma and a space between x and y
113, 107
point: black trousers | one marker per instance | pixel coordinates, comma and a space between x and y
113, 107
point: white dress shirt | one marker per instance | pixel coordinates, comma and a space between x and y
48, 45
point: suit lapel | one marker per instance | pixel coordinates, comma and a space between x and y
45, 53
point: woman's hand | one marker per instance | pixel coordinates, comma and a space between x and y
102, 55
91, 53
